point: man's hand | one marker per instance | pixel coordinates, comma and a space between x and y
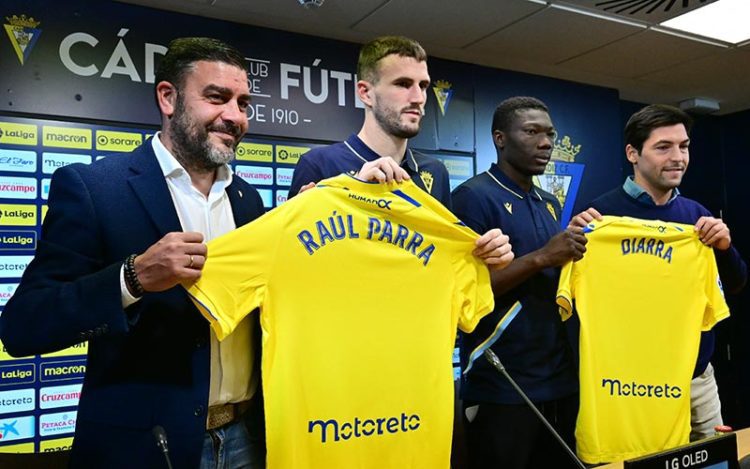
174, 258
714, 232
383, 169
564, 246
584, 218
307, 186
494, 249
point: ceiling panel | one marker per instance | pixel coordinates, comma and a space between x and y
640, 54
453, 24
519, 35
720, 76
284, 14
333, 12
552, 36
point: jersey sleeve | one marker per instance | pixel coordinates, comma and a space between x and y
234, 278
474, 298
716, 307
565, 291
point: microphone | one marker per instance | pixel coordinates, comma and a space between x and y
161, 442
495, 362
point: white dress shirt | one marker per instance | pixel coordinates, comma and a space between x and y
232, 375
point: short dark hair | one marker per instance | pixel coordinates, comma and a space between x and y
506, 110
642, 123
183, 52
372, 52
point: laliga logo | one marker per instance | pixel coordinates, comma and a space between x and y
283, 154
102, 139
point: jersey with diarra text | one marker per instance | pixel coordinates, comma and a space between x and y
644, 291
361, 287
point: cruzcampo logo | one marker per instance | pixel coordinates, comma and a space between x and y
443, 93
23, 34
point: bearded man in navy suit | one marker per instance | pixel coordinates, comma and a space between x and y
119, 237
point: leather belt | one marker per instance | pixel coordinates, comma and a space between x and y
224, 414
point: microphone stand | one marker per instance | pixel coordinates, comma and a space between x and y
161, 441
495, 362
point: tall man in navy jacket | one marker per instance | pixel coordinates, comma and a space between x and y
119, 237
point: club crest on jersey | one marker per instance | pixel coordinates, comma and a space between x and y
23, 34
551, 210
509, 207
427, 179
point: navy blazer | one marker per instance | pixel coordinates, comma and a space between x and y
148, 364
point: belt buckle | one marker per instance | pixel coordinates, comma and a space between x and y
220, 415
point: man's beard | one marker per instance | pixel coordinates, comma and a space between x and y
192, 146
390, 122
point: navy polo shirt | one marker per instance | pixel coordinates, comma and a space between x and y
533, 346
349, 156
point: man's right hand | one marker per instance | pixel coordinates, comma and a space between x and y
174, 258
584, 218
564, 246
383, 169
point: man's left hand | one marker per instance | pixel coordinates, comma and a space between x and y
714, 232
494, 249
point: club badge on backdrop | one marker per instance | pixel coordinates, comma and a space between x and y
443, 93
562, 177
23, 34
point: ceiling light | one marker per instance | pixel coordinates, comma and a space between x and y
725, 20
691, 37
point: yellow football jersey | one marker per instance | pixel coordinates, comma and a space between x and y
643, 291
361, 287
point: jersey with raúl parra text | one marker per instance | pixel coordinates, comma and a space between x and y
361, 287
644, 291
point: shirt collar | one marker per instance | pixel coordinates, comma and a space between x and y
509, 185
639, 193
172, 169
369, 154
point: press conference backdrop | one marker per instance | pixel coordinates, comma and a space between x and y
77, 79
